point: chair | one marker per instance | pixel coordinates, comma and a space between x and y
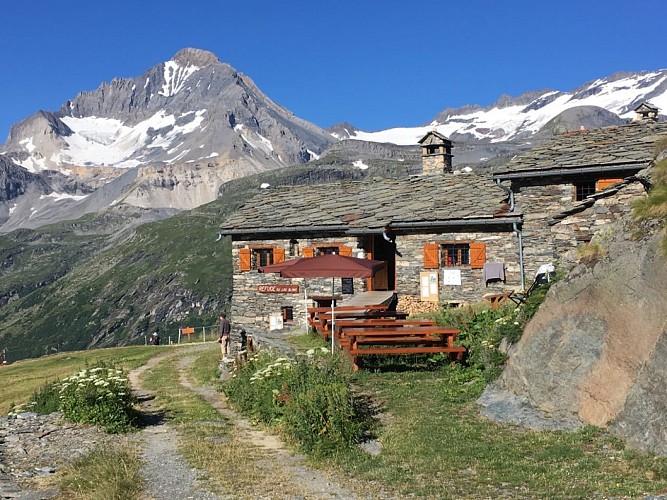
545, 273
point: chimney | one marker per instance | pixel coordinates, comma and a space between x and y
646, 112
436, 154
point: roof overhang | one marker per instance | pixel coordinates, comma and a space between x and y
396, 227
565, 172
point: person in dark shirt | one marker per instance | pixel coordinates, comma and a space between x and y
223, 337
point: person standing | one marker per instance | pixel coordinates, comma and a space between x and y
223, 337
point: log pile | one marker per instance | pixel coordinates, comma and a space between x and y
412, 305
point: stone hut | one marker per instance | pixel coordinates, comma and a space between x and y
571, 187
436, 153
435, 233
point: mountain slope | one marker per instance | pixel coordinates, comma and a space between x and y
190, 109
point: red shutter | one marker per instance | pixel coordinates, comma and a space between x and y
345, 251
244, 259
278, 255
431, 257
308, 252
477, 255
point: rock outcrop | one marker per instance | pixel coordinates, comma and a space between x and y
594, 353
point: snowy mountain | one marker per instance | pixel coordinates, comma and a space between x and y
169, 139
521, 118
190, 109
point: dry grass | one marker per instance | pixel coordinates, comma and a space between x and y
110, 472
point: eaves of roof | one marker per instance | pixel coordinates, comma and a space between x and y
556, 171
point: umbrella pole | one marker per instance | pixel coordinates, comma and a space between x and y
305, 303
333, 317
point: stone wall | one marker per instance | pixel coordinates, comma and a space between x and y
544, 243
500, 247
252, 309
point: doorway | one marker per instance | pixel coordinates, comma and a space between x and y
381, 249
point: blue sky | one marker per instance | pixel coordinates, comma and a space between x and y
375, 64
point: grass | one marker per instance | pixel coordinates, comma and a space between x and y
21, 379
209, 442
110, 472
436, 446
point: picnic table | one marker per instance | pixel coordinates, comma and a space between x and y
399, 339
320, 317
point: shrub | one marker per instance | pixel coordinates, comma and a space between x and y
307, 398
46, 399
98, 396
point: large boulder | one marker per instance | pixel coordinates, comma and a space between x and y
595, 351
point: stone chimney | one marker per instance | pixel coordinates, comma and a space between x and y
646, 112
436, 154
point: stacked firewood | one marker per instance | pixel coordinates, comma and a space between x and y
412, 305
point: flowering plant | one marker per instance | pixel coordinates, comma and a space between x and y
98, 396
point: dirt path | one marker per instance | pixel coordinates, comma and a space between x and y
167, 475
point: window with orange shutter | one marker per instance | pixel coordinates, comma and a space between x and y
603, 184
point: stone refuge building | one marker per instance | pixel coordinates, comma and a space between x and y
580, 181
446, 236
438, 227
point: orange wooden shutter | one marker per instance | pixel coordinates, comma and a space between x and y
345, 251
605, 183
278, 255
431, 260
477, 255
244, 259
308, 252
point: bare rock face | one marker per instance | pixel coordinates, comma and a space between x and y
595, 351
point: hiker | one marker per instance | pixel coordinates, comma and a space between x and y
223, 337
155, 339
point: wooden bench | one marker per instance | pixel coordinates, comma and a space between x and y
319, 317
325, 318
396, 340
381, 323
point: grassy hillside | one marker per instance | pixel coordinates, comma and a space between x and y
106, 279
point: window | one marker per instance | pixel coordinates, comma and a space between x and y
433, 150
288, 313
582, 189
454, 254
252, 258
293, 248
326, 250
261, 257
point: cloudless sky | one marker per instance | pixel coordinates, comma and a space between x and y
375, 64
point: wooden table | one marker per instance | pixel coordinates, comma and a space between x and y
395, 340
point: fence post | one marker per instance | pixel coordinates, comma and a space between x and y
179, 336
203, 332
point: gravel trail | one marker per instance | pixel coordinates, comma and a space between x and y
167, 474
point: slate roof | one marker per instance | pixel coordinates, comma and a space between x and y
354, 206
624, 146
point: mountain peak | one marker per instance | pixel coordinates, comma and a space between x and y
195, 57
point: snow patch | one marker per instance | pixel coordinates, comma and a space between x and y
175, 76
360, 164
313, 155
265, 185
28, 144
63, 196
